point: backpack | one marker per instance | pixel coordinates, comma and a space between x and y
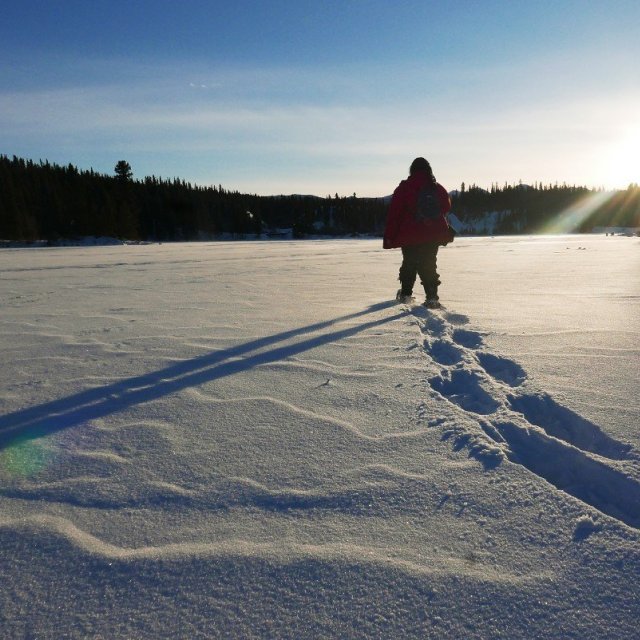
428, 205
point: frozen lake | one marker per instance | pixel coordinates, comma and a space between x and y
253, 439
567, 308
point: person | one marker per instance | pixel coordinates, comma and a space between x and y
417, 223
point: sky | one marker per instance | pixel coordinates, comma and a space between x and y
281, 97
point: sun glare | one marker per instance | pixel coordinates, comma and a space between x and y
621, 167
570, 219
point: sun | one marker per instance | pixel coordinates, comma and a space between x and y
621, 165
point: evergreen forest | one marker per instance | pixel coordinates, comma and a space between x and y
44, 201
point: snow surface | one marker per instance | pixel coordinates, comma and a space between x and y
252, 440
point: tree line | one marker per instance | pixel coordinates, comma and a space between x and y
40, 200
533, 208
44, 201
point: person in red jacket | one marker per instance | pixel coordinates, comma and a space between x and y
417, 223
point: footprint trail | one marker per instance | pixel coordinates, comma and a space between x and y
510, 420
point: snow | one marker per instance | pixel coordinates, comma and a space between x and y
251, 440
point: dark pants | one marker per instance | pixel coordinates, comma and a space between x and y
420, 259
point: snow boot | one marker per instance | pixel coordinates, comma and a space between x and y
404, 297
432, 303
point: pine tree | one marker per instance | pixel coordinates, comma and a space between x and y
123, 171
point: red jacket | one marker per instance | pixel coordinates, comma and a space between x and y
403, 229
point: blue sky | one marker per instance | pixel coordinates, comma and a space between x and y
324, 97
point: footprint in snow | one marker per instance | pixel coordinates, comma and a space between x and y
456, 318
572, 470
466, 338
444, 352
562, 423
435, 326
462, 387
502, 369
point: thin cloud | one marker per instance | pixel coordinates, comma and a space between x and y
294, 119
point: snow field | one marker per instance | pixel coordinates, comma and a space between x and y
251, 440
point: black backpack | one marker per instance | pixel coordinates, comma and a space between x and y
428, 205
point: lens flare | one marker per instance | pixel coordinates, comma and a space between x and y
24, 457
571, 218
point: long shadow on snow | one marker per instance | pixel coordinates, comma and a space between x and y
50, 417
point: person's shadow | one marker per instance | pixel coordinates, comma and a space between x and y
56, 415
